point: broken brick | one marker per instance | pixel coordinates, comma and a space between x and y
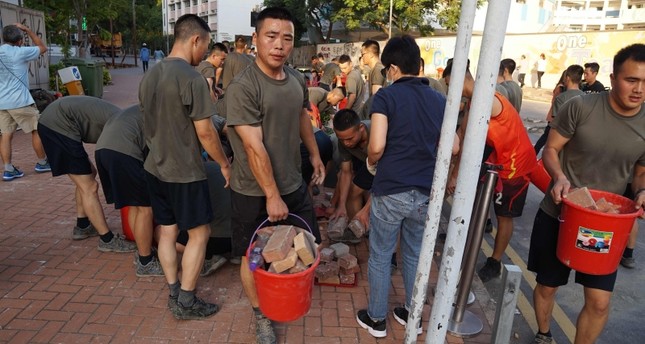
604, 206
347, 261
340, 249
356, 226
329, 280
337, 226
303, 250
279, 244
352, 270
299, 267
287, 263
326, 255
347, 279
582, 197
327, 270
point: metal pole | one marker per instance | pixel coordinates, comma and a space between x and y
389, 35
444, 153
505, 312
472, 325
473, 148
134, 33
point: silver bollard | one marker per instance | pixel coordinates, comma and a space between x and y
462, 322
506, 302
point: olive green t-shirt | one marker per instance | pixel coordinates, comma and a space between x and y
233, 65
330, 72
603, 146
511, 91
563, 98
255, 99
318, 96
376, 78
123, 133
172, 95
81, 118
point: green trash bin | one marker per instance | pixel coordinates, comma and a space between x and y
91, 74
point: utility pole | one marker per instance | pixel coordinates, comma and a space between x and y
389, 35
134, 33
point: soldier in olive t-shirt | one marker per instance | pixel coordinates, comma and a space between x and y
234, 64
81, 118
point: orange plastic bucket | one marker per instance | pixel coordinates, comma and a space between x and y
593, 242
540, 177
284, 297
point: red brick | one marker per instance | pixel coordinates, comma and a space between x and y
22, 337
47, 333
77, 322
299, 267
39, 295
347, 261
326, 255
279, 244
72, 338
336, 331
34, 308
102, 314
105, 329
26, 324
313, 327
582, 197
54, 315
7, 315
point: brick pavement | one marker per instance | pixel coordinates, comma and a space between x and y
56, 290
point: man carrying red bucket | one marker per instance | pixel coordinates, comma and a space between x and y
266, 108
598, 141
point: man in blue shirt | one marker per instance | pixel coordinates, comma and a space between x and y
17, 107
145, 56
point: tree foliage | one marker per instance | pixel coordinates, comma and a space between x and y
313, 17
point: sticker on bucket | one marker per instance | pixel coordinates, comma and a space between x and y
593, 241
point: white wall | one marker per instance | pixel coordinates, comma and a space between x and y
234, 18
527, 17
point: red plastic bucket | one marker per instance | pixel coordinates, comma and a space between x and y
540, 177
127, 231
593, 242
284, 297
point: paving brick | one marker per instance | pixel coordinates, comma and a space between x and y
34, 308
287, 263
48, 332
54, 315
25, 324
340, 249
347, 261
303, 249
72, 338
279, 244
22, 337
7, 315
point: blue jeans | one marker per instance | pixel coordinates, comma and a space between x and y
403, 213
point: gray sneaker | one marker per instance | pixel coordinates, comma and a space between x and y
153, 268
199, 310
117, 244
210, 265
173, 304
264, 333
542, 339
83, 233
629, 263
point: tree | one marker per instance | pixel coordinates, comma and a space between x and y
407, 15
314, 16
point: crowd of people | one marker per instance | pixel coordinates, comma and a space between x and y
240, 154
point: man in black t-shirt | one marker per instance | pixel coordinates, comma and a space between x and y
590, 84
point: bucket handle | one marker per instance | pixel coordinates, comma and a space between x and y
260, 226
560, 219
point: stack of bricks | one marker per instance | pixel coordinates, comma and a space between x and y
337, 266
287, 250
583, 198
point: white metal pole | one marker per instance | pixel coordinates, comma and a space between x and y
451, 112
389, 35
471, 156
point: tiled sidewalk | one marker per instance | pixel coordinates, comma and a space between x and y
56, 290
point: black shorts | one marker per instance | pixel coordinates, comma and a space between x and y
545, 263
250, 211
187, 205
510, 202
123, 179
65, 155
362, 177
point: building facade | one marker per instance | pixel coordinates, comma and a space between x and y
226, 18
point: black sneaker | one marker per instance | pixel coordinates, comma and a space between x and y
488, 228
173, 304
401, 316
375, 328
490, 270
199, 310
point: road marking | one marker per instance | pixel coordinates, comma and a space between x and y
523, 303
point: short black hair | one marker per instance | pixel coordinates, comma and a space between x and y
218, 47
404, 53
574, 72
448, 69
344, 58
189, 25
272, 13
595, 67
321, 56
372, 46
345, 119
506, 65
315, 57
11, 34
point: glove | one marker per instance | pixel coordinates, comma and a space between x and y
370, 168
